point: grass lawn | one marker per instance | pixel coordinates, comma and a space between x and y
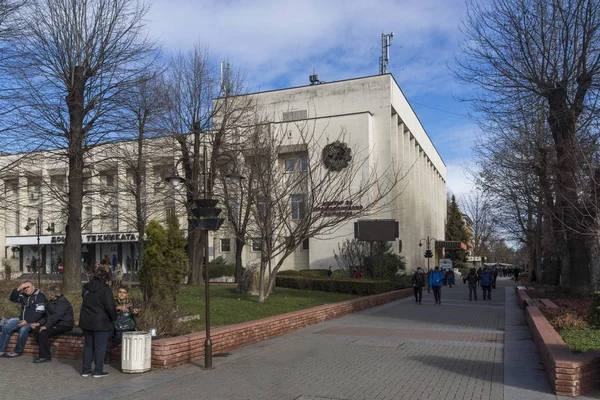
227, 307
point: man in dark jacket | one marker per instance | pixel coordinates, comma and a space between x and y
97, 321
59, 319
418, 281
485, 280
33, 309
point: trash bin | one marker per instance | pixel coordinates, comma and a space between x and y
136, 349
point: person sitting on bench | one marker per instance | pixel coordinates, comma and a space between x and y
59, 319
33, 309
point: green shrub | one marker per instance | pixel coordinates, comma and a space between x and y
594, 311
581, 340
218, 270
350, 286
317, 273
289, 272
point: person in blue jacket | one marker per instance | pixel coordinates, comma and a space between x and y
435, 281
485, 279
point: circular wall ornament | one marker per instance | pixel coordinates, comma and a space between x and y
336, 156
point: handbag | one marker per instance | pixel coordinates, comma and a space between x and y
125, 322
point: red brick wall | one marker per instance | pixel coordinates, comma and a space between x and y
569, 374
170, 352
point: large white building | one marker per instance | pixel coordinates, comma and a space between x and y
374, 118
371, 114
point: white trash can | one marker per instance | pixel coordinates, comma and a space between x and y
136, 350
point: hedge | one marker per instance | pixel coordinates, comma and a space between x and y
350, 286
219, 270
312, 273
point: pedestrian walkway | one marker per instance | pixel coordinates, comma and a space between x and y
401, 350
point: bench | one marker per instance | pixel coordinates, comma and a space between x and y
69, 345
529, 302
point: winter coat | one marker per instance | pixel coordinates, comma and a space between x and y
98, 311
58, 312
472, 279
486, 278
33, 308
418, 279
436, 278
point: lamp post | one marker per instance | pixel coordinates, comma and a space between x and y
205, 217
30, 224
428, 253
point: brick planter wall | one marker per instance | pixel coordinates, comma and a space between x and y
170, 352
569, 374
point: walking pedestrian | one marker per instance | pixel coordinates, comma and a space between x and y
450, 278
418, 281
516, 273
435, 281
472, 279
97, 321
485, 280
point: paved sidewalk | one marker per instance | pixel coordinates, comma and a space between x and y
401, 350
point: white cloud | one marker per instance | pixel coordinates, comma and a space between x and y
275, 40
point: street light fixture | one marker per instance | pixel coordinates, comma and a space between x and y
206, 217
30, 224
428, 253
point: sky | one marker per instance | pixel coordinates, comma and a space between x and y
279, 43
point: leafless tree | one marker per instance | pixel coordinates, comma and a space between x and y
527, 51
202, 113
293, 203
73, 61
351, 254
478, 209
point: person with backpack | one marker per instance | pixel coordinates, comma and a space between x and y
435, 281
472, 279
418, 281
485, 279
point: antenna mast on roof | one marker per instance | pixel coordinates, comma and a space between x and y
225, 78
386, 42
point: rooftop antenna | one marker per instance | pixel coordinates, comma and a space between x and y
314, 78
386, 41
225, 78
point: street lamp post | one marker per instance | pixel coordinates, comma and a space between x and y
205, 217
30, 224
428, 253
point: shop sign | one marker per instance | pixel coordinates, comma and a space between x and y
100, 238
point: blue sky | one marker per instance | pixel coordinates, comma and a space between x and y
278, 43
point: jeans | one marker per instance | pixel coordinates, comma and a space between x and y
487, 290
95, 347
114, 340
418, 293
45, 335
472, 292
437, 293
9, 329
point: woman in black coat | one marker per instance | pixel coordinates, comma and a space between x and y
97, 321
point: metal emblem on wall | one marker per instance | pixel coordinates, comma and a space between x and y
336, 156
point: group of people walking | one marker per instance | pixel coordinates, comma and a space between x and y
435, 280
102, 319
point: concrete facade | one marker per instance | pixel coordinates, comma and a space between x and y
370, 114
374, 118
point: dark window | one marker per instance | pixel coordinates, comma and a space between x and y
256, 244
290, 165
225, 245
305, 245
304, 163
298, 206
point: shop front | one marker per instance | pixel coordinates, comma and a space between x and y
118, 247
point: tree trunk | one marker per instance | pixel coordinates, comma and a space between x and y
594, 246
72, 249
239, 247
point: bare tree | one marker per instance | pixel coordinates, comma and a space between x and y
74, 60
352, 254
293, 203
517, 50
478, 208
202, 113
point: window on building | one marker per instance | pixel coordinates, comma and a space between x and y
290, 164
256, 244
305, 245
169, 208
130, 176
304, 163
261, 206
225, 245
109, 180
34, 189
114, 217
298, 206
87, 223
